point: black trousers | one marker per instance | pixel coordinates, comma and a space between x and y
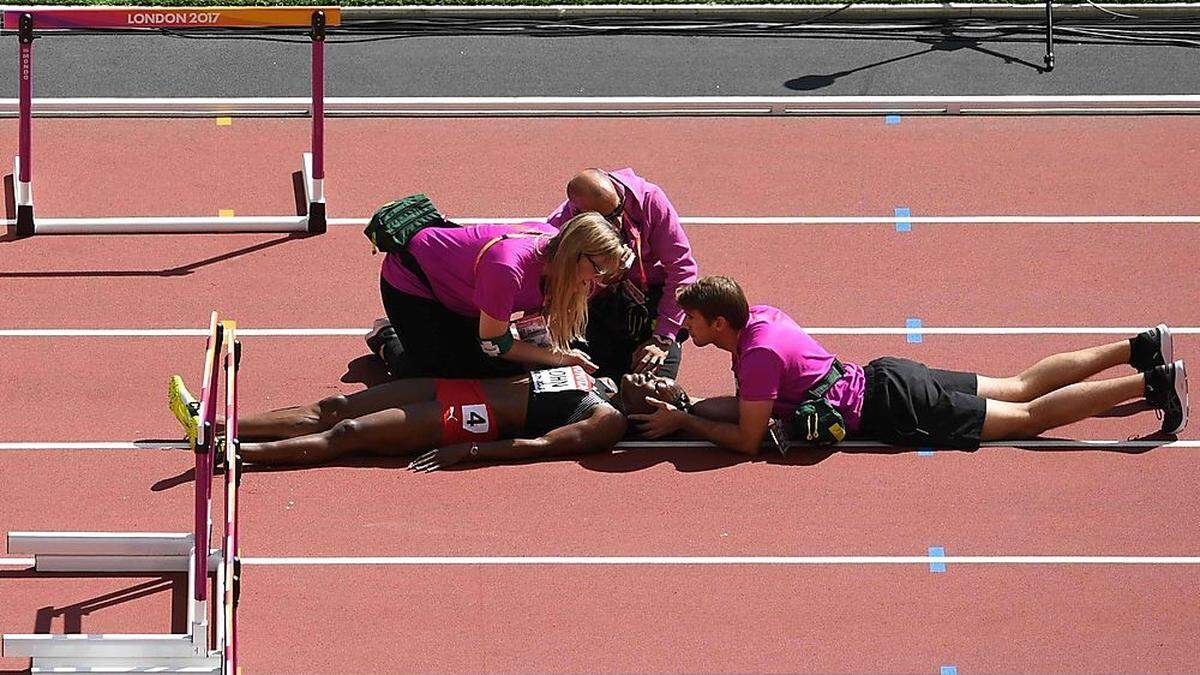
616, 327
435, 342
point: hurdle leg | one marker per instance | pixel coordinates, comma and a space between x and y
23, 164
314, 162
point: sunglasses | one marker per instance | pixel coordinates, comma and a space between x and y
614, 216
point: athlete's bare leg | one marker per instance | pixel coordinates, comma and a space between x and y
398, 430
324, 414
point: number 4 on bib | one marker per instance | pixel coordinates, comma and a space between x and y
475, 419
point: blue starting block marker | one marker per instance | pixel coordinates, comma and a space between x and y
891, 119
903, 224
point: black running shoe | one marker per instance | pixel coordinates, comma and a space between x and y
1151, 349
1166, 389
381, 332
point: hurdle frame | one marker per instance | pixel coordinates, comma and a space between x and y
203, 648
28, 20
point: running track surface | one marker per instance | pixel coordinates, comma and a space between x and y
649, 502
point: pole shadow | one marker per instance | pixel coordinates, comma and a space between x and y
949, 42
72, 615
179, 271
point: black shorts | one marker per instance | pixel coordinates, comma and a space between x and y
911, 405
437, 341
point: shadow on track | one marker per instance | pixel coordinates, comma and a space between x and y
72, 615
683, 459
949, 42
179, 271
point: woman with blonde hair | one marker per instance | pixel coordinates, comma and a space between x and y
493, 300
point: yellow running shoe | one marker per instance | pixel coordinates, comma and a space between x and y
185, 407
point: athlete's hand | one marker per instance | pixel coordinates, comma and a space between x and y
443, 457
648, 357
577, 357
666, 419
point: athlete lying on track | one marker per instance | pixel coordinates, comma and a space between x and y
778, 367
559, 411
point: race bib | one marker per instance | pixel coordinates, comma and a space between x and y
568, 378
475, 419
533, 329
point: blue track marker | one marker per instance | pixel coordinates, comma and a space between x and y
924, 452
949, 670
914, 336
937, 552
902, 223
891, 119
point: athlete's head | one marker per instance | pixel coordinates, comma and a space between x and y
712, 306
637, 387
587, 251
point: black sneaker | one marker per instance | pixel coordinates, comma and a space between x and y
381, 332
1166, 389
1151, 349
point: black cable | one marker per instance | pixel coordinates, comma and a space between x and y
1115, 31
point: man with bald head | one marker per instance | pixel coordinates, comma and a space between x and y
634, 322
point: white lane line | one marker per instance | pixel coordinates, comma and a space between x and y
96, 446
728, 560
696, 560
1083, 443
1147, 219
816, 330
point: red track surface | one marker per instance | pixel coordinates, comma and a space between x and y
659, 502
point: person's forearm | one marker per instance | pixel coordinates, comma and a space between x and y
724, 434
517, 448
527, 352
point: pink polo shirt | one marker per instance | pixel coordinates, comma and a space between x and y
508, 278
777, 361
651, 225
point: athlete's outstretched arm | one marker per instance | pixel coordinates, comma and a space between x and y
600, 431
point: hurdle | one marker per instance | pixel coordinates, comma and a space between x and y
27, 20
207, 646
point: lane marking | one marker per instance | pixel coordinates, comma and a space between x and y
1032, 444
924, 452
225, 213
816, 220
913, 325
224, 121
816, 330
891, 119
937, 553
476, 106
868, 220
728, 560
949, 670
698, 560
903, 219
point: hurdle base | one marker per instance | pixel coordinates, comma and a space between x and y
114, 552
317, 223
314, 194
24, 227
118, 665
